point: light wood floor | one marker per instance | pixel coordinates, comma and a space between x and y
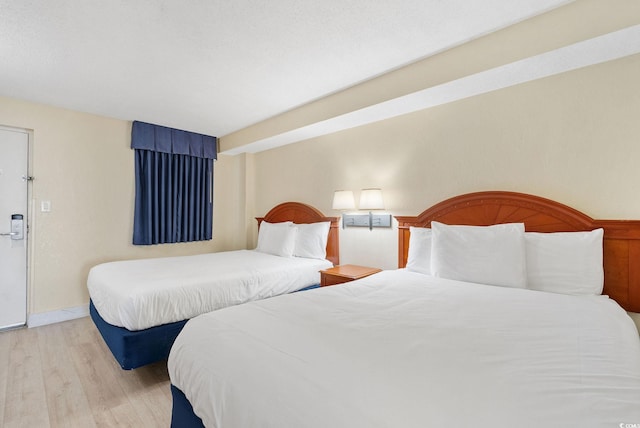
63, 375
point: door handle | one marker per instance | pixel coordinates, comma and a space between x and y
9, 234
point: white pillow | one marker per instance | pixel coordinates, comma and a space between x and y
565, 262
419, 257
492, 255
311, 240
277, 238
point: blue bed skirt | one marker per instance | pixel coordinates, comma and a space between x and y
182, 415
133, 349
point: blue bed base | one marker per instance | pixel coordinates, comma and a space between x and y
182, 415
133, 349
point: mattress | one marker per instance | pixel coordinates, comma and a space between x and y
139, 294
401, 349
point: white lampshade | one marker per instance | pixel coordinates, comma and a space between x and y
343, 200
371, 199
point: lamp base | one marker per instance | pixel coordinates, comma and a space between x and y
366, 220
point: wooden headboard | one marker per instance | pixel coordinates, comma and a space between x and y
302, 213
621, 237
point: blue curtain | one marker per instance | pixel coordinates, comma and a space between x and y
174, 184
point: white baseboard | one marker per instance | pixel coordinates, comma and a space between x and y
44, 318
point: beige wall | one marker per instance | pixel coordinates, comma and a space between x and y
83, 164
573, 138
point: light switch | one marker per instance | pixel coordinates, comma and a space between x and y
45, 206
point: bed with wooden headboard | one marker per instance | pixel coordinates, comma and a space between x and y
302, 213
621, 247
411, 349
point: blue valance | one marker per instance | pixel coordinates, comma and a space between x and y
145, 136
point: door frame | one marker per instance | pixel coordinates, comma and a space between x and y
29, 223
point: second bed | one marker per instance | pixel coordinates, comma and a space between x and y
139, 306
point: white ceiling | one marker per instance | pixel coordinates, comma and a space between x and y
214, 66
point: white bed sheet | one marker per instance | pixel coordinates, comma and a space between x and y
138, 294
401, 349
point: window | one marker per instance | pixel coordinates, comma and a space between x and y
174, 184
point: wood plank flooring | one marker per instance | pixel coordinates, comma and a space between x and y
63, 375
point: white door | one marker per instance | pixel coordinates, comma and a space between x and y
14, 150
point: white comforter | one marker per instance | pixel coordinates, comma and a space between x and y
138, 294
400, 349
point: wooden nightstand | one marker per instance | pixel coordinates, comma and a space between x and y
345, 273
